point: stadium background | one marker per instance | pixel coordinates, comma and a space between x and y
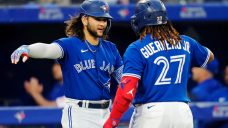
25, 22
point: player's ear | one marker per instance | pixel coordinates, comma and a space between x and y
84, 20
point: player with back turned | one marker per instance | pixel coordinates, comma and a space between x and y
87, 62
156, 70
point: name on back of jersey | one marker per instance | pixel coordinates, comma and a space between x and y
90, 64
157, 46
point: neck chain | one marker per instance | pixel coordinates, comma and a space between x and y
89, 46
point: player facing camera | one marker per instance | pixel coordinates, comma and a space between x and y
87, 61
94, 18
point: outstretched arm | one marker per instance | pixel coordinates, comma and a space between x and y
37, 50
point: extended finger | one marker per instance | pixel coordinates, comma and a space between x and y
12, 57
16, 57
25, 58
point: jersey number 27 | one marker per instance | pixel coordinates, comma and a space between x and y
162, 78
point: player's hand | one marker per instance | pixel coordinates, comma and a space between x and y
33, 86
21, 51
111, 123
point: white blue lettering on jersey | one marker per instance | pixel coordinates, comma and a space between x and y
87, 73
163, 70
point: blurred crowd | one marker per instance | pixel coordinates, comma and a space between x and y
208, 87
70, 2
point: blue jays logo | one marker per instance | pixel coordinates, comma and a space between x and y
20, 116
105, 8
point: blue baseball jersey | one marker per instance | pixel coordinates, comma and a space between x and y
57, 91
219, 95
163, 69
205, 89
87, 69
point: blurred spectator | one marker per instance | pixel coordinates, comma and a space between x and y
207, 84
58, 2
80, 1
77, 1
110, 2
221, 95
226, 74
14, 2
213, 0
55, 98
47, 3
123, 2
43, 2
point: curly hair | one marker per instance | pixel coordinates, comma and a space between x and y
74, 27
165, 32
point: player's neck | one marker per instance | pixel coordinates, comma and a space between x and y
91, 39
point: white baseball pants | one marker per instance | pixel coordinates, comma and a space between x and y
81, 117
162, 115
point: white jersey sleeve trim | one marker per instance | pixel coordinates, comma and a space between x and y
131, 74
205, 62
62, 55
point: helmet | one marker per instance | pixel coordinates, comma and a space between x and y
148, 12
95, 8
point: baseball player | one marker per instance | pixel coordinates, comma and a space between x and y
56, 95
207, 84
87, 62
156, 70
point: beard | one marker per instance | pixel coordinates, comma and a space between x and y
93, 32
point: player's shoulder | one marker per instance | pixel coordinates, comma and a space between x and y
134, 47
135, 44
109, 44
186, 38
68, 39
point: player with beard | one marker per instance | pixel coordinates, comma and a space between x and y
87, 62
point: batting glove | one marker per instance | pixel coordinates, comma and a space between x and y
21, 51
111, 123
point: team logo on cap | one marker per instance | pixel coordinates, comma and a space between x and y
105, 8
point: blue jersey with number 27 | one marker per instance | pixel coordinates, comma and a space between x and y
163, 69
